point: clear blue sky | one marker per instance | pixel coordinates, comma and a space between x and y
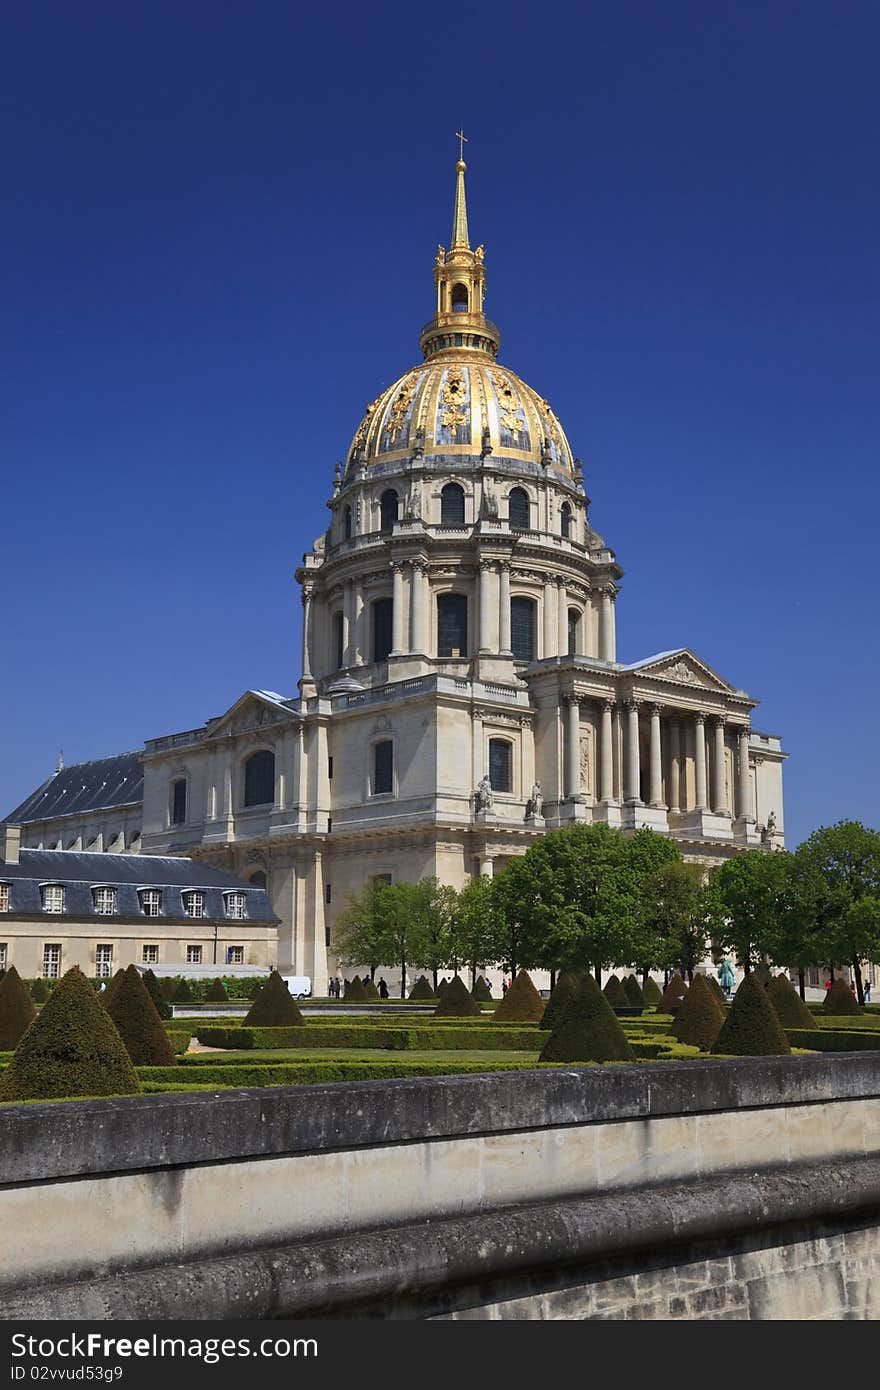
218, 231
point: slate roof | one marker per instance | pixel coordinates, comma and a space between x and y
81, 872
95, 786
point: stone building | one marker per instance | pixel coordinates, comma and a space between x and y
460, 689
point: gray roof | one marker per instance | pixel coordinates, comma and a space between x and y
81, 872
83, 787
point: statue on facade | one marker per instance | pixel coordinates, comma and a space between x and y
483, 798
412, 508
486, 445
535, 803
489, 503
769, 830
418, 443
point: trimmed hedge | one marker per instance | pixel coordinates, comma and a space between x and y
456, 1002
481, 991
652, 993
72, 1049
840, 1000
163, 1008
752, 1028
422, 1039
422, 990
138, 1023
615, 993
39, 991
274, 1007
17, 1011
701, 1016
354, 991
828, 1040
215, 993
673, 995
633, 991
566, 984
791, 1010
587, 1030
521, 1003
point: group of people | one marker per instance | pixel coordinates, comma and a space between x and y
866, 989
336, 987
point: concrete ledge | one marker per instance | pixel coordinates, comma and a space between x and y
413, 1262
135, 1134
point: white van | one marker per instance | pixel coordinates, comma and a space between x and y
300, 986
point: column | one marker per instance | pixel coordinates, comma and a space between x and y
398, 626
633, 777
573, 748
307, 622
550, 620
486, 868
485, 613
720, 770
347, 603
656, 759
562, 606
358, 640
419, 607
745, 786
606, 756
606, 644
226, 812
700, 761
504, 611
674, 767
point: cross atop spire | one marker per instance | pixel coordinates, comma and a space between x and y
459, 216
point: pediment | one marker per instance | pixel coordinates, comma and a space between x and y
684, 668
255, 710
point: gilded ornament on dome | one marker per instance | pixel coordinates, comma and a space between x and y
508, 403
453, 399
550, 420
398, 412
361, 437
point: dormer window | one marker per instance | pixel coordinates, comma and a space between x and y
236, 905
105, 901
53, 897
194, 904
151, 902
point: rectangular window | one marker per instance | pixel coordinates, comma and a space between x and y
452, 636
500, 761
327, 893
383, 767
194, 904
330, 769
150, 955
522, 628
178, 802
53, 898
105, 901
235, 906
235, 955
151, 902
4, 954
193, 955
4, 897
51, 961
103, 962
383, 610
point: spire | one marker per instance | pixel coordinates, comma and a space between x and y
459, 216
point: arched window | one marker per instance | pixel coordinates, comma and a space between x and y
383, 610
452, 505
522, 628
500, 765
178, 801
337, 641
388, 507
259, 879
452, 633
383, 766
518, 509
565, 520
259, 779
346, 523
459, 299
574, 627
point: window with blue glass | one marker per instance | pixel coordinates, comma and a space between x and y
518, 509
522, 628
500, 765
259, 779
452, 505
452, 625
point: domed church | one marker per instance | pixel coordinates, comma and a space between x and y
460, 690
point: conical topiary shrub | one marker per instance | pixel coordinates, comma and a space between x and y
354, 994
615, 993
274, 1007
154, 989
652, 993
370, 992
215, 993
17, 1011
39, 991
106, 995
138, 1023
421, 990
701, 1016
456, 1002
840, 1000
183, 991
169, 985
752, 1028
481, 991
566, 984
673, 995
71, 1049
633, 991
790, 1008
521, 1004
717, 990
588, 1030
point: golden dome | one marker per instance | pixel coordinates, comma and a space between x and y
456, 406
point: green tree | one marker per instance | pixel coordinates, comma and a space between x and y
846, 858
514, 928
677, 915
795, 941
359, 935
473, 927
751, 891
431, 905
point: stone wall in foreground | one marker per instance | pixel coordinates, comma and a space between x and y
732, 1189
